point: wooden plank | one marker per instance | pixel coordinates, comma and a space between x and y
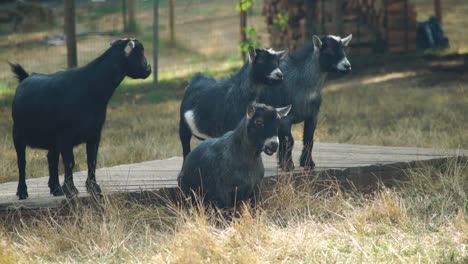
354, 166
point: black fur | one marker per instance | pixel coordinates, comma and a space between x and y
58, 111
229, 168
219, 105
304, 74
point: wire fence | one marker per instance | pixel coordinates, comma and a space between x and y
206, 33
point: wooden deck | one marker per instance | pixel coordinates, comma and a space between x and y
359, 165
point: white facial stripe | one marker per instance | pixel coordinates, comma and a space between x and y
341, 65
129, 48
190, 119
274, 74
268, 141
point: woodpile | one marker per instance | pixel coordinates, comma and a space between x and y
376, 25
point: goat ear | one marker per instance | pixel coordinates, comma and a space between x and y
129, 47
283, 111
252, 54
250, 111
317, 42
282, 53
346, 40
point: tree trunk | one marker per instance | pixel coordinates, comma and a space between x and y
286, 22
311, 20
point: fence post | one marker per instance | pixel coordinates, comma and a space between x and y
124, 15
132, 27
69, 24
155, 40
171, 21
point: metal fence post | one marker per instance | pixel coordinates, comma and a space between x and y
155, 40
70, 33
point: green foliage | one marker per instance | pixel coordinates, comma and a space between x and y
280, 21
243, 5
253, 39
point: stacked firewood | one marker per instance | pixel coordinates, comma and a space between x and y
401, 26
376, 25
285, 22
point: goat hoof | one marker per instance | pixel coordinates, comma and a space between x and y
93, 188
56, 191
69, 190
22, 195
310, 165
287, 166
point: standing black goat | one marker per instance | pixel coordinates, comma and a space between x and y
305, 71
210, 107
229, 168
61, 110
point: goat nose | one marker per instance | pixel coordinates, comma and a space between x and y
279, 75
274, 146
347, 66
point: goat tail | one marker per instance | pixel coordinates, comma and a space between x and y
19, 71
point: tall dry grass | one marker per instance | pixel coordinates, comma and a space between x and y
423, 221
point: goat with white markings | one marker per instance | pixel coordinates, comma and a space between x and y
61, 110
212, 107
229, 168
305, 72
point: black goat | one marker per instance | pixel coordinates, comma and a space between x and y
305, 71
229, 168
61, 110
210, 107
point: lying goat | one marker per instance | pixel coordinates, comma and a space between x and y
61, 110
305, 72
229, 168
210, 107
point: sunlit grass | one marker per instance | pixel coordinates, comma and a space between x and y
292, 223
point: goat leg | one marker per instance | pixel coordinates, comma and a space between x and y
306, 160
22, 191
91, 154
69, 163
286, 144
54, 184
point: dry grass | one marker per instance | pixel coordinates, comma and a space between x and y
292, 224
425, 109
423, 221
454, 22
